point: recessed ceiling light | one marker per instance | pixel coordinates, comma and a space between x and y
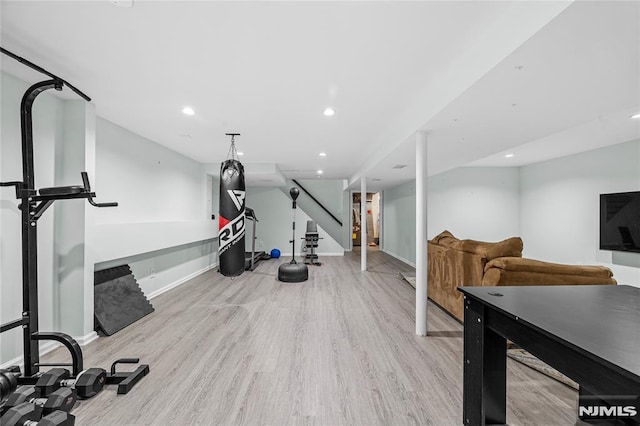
329, 112
240, 153
508, 156
123, 3
636, 115
320, 172
519, 67
399, 166
323, 154
188, 110
376, 179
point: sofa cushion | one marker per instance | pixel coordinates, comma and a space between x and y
511, 247
445, 238
520, 264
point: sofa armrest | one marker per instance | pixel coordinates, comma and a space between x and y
521, 271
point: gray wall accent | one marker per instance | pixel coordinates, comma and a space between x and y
330, 193
160, 269
273, 210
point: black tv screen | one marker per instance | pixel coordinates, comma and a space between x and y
620, 221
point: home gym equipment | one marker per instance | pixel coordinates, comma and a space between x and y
311, 238
86, 384
33, 204
232, 212
293, 272
252, 257
27, 414
117, 299
61, 399
8, 381
275, 253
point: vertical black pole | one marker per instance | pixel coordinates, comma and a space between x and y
29, 228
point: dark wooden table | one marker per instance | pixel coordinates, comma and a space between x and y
589, 333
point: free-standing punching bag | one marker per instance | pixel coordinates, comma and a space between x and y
231, 214
293, 272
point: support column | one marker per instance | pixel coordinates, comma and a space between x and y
363, 223
421, 233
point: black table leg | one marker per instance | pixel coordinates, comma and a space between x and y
485, 363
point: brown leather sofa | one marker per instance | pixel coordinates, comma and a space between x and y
453, 262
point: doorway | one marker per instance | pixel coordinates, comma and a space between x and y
373, 220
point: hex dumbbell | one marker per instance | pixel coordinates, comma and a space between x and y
27, 414
8, 381
62, 399
87, 384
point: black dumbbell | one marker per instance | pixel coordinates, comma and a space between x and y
57, 418
27, 414
61, 399
87, 384
8, 381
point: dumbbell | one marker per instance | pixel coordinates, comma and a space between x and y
8, 381
87, 384
61, 399
27, 414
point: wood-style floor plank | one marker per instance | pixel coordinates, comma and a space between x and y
339, 349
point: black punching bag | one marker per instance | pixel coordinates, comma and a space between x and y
231, 217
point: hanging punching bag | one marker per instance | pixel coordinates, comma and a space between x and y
231, 217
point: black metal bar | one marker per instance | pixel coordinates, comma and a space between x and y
18, 186
69, 343
317, 202
12, 324
29, 227
41, 208
45, 72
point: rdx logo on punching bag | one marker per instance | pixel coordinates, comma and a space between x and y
231, 231
237, 197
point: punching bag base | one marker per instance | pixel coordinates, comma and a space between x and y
293, 272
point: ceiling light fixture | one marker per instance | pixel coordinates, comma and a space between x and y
323, 154
399, 166
635, 115
320, 172
188, 110
123, 3
240, 153
329, 112
508, 156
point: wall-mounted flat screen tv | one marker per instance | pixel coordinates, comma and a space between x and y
620, 221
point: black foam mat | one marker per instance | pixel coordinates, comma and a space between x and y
118, 300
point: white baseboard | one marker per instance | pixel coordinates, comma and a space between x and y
49, 346
400, 258
180, 281
85, 340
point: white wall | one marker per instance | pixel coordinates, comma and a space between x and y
273, 209
474, 203
399, 227
559, 209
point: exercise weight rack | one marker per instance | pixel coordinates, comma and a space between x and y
33, 204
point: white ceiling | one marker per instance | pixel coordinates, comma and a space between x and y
269, 69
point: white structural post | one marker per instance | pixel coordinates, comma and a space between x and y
363, 223
421, 233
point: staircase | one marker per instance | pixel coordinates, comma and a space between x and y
317, 212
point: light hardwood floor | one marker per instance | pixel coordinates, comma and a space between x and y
339, 349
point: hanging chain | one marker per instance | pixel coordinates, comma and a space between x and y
233, 152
